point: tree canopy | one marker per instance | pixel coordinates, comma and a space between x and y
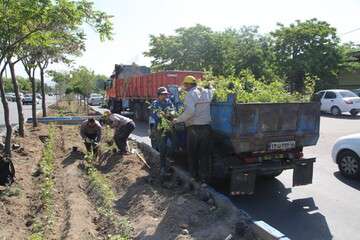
79, 80
294, 54
309, 47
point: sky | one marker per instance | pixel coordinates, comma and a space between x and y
135, 20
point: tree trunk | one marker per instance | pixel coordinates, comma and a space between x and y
33, 86
18, 99
7, 149
43, 101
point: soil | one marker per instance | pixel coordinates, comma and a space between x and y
79, 212
158, 210
74, 212
16, 202
155, 210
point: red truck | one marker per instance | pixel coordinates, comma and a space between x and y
133, 90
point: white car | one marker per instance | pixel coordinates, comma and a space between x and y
345, 153
95, 95
338, 101
10, 97
27, 100
96, 101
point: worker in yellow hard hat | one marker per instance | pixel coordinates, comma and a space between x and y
196, 117
189, 80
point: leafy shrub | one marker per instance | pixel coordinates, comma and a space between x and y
248, 89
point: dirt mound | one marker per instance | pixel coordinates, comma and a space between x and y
162, 211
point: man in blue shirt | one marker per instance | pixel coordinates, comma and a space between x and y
159, 133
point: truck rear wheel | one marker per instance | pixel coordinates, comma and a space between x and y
270, 175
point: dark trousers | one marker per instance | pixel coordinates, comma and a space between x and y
198, 149
159, 141
89, 146
164, 148
122, 134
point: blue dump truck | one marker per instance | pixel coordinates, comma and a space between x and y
262, 139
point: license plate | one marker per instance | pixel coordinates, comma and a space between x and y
282, 145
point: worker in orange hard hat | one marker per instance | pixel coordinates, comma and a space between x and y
196, 117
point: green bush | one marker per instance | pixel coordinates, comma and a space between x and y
248, 89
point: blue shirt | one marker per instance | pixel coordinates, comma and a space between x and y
165, 106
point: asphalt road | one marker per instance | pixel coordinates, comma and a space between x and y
26, 111
327, 209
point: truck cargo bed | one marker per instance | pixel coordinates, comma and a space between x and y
258, 127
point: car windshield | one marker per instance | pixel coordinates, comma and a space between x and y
346, 94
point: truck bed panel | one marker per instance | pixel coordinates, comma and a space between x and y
252, 127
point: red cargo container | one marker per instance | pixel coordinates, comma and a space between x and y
139, 89
145, 87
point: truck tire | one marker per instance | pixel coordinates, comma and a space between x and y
271, 175
142, 111
349, 163
137, 111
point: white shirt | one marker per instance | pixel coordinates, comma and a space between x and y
197, 107
118, 121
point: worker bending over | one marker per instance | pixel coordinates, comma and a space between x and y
123, 128
90, 131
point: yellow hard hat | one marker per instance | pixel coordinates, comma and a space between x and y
107, 113
189, 79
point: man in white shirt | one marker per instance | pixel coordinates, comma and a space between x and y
196, 117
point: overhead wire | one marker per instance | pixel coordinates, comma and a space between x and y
351, 31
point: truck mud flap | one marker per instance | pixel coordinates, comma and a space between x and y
242, 183
303, 172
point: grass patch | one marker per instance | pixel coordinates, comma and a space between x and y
47, 189
105, 197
